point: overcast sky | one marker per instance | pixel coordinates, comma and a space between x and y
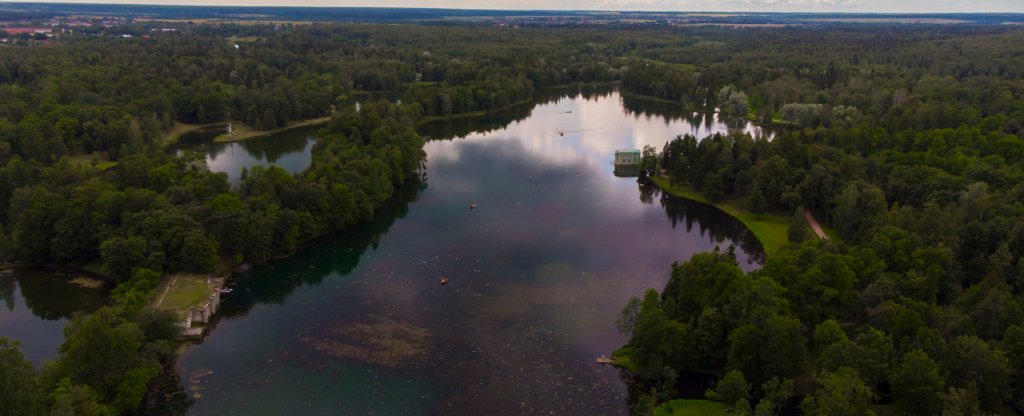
880, 6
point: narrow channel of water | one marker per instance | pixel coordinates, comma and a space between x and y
537, 274
36, 306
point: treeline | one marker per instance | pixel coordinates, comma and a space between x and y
905, 78
114, 95
918, 310
959, 187
437, 100
676, 82
909, 146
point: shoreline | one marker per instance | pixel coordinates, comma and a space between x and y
772, 229
232, 269
247, 133
472, 114
776, 122
172, 136
229, 273
652, 98
766, 230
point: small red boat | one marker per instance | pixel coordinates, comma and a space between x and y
444, 280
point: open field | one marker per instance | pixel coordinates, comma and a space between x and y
683, 407
241, 131
735, 25
102, 163
182, 292
180, 128
903, 20
249, 39
217, 21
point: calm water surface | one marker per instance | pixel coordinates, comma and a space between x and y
291, 150
36, 306
358, 324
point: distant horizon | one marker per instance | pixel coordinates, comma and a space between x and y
930, 7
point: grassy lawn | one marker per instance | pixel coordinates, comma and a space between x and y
86, 160
621, 359
771, 229
180, 128
236, 39
683, 407
650, 98
186, 291
240, 131
426, 120
685, 105
753, 118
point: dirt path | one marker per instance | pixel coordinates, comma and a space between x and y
815, 226
166, 289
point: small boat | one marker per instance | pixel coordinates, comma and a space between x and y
472, 206
444, 280
226, 290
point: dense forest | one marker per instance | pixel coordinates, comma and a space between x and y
908, 140
911, 147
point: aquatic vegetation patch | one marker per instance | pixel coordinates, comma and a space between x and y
557, 271
88, 282
195, 382
381, 341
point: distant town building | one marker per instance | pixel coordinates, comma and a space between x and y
26, 30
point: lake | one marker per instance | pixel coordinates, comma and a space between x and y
358, 323
36, 306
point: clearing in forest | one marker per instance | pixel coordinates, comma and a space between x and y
182, 292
